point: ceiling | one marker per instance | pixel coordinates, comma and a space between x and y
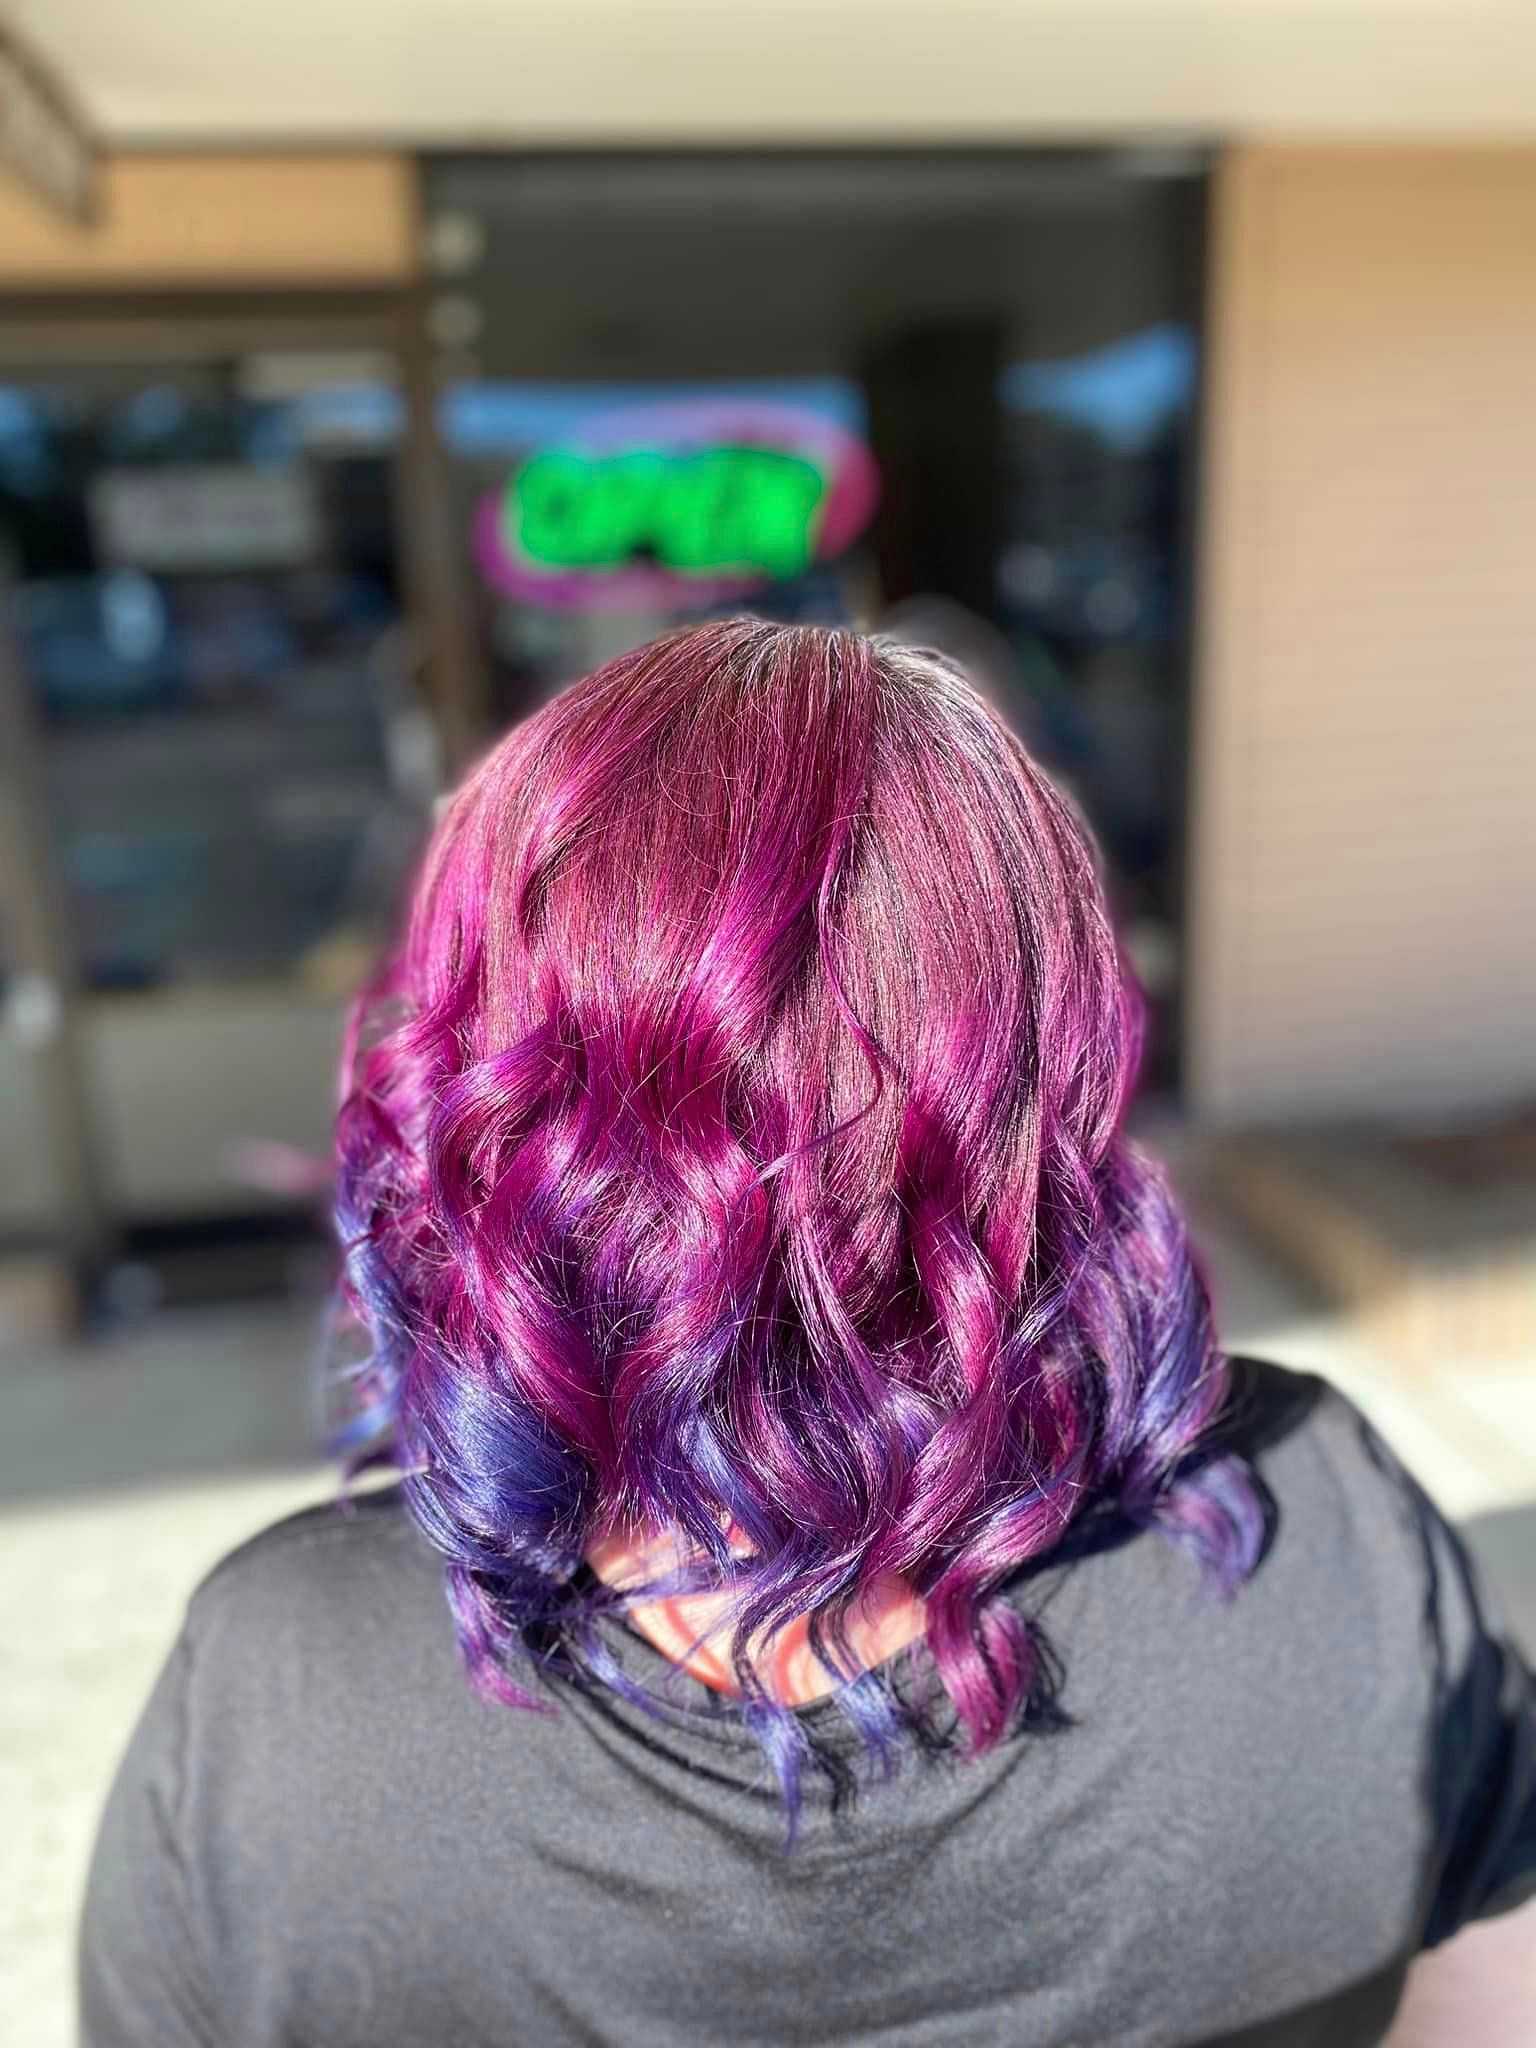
542, 71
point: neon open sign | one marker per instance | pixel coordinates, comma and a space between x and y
677, 504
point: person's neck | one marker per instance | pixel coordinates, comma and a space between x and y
693, 1629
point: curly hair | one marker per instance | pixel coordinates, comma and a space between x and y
733, 1145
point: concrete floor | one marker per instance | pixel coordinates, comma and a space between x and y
128, 1469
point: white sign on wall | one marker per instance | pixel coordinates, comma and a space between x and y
206, 516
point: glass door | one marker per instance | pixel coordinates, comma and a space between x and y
950, 394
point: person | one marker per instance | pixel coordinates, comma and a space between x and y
835, 1589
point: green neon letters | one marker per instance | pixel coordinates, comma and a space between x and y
697, 511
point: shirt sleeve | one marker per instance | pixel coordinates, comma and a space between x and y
1482, 1766
141, 1976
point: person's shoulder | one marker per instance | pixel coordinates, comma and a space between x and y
319, 1569
344, 1529
1347, 1524
1304, 1436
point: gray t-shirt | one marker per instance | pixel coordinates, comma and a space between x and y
1256, 1812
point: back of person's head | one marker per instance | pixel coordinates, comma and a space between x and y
732, 1148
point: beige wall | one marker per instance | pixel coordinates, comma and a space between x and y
1363, 909
188, 220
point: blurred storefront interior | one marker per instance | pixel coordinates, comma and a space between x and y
319, 465
289, 532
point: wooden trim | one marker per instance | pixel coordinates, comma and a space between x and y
169, 220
